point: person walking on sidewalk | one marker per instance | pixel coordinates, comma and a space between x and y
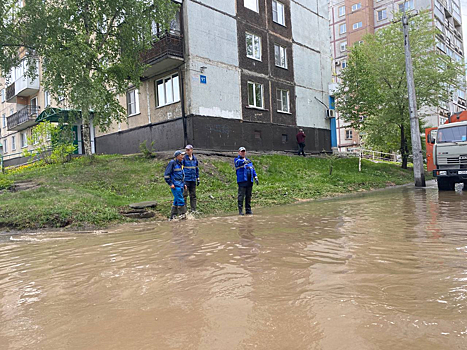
175, 178
246, 174
301, 142
191, 170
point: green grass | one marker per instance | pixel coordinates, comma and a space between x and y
91, 192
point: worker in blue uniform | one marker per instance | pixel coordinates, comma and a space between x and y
175, 178
190, 167
246, 174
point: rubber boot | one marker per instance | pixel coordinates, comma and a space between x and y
193, 205
240, 210
182, 212
173, 213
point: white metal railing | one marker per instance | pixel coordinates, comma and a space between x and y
372, 155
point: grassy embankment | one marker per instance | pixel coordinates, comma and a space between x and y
88, 193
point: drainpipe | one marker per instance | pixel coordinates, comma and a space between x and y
182, 80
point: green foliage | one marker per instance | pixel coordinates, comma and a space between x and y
373, 93
66, 197
5, 182
52, 144
89, 51
147, 152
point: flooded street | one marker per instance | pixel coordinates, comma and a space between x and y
381, 270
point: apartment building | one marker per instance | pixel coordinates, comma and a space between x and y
350, 20
229, 74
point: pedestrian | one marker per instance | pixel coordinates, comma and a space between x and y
301, 142
246, 174
174, 176
191, 170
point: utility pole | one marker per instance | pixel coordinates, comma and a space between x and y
418, 169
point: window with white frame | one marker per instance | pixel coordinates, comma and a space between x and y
382, 14
408, 5
280, 56
24, 140
283, 101
341, 11
35, 140
4, 120
348, 134
343, 46
251, 4
342, 28
3, 95
356, 7
278, 12
253, 46
5, 145
167, 90
13, 143
255, 95
343, 64
357, 25
46, 98
132, 102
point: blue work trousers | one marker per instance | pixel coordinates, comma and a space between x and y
178, 196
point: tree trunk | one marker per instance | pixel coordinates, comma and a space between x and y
87, 138
403, 148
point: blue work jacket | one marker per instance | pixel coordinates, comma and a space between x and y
174, 174
243, 166
190, 167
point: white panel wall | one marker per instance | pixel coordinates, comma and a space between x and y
310, 112
301, 19
211, 34
227, 6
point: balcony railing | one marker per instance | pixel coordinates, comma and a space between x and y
169, 44
23, 118
10, 91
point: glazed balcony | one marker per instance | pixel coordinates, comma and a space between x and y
23, 119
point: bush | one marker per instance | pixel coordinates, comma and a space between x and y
147, 153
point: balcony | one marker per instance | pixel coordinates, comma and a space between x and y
23, 86
23, 119
165, 54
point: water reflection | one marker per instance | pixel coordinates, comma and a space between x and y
384, 270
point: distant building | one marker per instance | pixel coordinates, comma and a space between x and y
351, 20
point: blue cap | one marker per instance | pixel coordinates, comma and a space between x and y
177, 153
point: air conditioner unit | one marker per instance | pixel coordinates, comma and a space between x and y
337, 63
330, 113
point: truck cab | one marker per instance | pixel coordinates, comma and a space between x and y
449, 155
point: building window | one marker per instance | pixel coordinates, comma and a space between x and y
284, 138
258, 134
348, 134
283, 103
278, 12
255, 95
13, 143
253, 46
382, 15
343, 46
342, 28
408, 5
251, 4
357, 25
344, 64
341, 11
24, 140
280, 56
132, 102
167, 90
46, 98
3, 95
5, 146
4, 120
356, 7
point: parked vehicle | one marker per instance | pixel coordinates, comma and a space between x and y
446, 149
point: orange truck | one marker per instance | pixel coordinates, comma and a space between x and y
446, 151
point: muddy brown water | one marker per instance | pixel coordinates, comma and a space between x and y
382, 270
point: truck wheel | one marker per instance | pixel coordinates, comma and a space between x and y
446, 185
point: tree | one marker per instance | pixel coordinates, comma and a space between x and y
89, 49
373, 94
